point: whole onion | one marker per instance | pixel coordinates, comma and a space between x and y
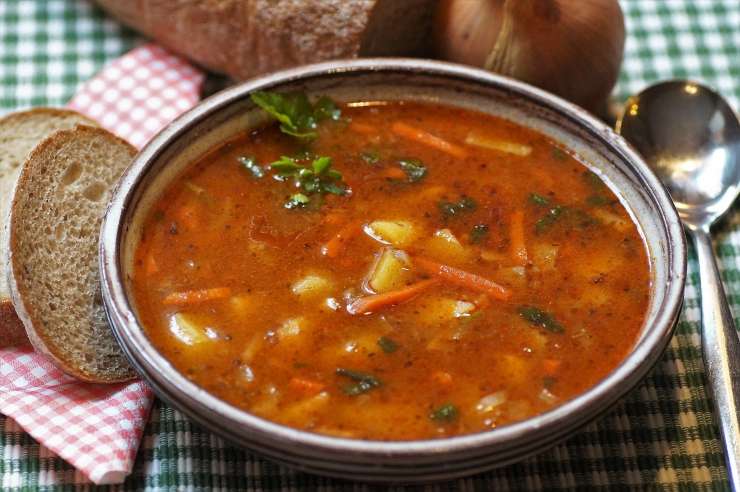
572, 48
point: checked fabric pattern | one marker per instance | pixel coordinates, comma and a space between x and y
660, 437
96, 427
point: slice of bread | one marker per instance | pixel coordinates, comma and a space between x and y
19, 133
244, 38
58, 205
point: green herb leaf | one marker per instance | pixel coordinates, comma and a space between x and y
415, 170
538, 199
388, 345
363, 382
250, 163
540, 318
316, 177
479, 233
285, 167
548, 219
548, 382
445, 413
296, 201
325, 109
321, 165
593, 180
597, 200
452, 209
559, 154
297, 116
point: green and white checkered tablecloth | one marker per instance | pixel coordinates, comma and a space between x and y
661, 436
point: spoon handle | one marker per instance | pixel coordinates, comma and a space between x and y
721, 347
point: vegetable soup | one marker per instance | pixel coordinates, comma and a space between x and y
390, 271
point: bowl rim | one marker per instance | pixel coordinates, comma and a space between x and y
145, 357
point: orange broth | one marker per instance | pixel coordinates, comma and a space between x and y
502, 282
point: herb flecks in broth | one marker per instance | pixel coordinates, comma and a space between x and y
469, 261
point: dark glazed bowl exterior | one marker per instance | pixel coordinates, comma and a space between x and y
231, 111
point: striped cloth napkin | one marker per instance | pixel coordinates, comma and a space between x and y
95, 427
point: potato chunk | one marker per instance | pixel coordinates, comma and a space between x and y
390, 271
312, 286
186, 330
445, 246
398, 233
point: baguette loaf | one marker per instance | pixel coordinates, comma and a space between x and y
244, 38
19, 134
58, 205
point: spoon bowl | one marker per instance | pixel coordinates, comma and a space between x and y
691, 138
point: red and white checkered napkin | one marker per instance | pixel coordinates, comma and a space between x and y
97, 428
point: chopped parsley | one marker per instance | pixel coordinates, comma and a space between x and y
297, 200
250, 163
538, 199
316, 177
597, 200
363, 382
478, 233
414, 169
295, 113
593, 180
388, 345
453, 209
542, 319
559, 154
445, 413
552, 215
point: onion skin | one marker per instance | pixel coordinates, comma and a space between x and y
572, 48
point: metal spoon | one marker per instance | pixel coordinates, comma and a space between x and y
690, 136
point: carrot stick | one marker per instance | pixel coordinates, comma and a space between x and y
518, 247
463, 279
394, 173
150, 264
409, 132
363, 128
375, 302
305, 386
336, 245
194, 296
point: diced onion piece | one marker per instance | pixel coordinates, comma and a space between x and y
390, 271
489, 402
398, 233
252, 348
544, 255
548, 397
243, 305
291, 327
187, 331
513, 148
463, 309
302, 409
311, 286
611, 219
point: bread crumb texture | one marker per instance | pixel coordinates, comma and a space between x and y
62, 195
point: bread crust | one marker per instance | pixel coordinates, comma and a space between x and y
29, 318
244, 38
12, 331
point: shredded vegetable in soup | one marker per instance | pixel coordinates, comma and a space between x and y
390, 271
